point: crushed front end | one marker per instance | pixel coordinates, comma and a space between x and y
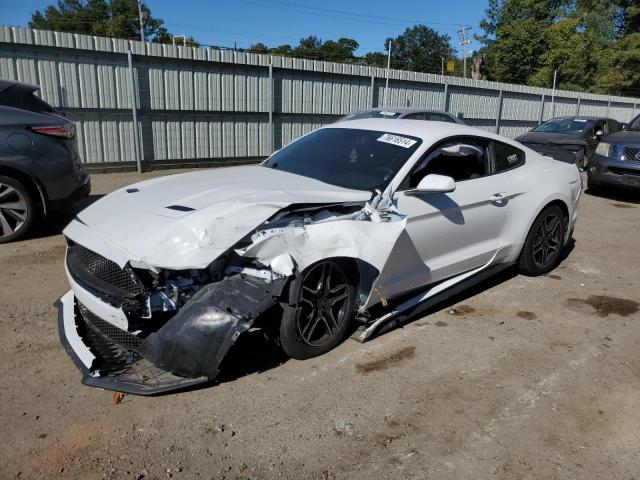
144, 332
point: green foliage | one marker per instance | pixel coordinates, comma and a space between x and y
106, 18
420, 49
313, 48
592, 44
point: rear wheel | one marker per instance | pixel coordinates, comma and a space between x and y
17, 209
542, 248
323, 299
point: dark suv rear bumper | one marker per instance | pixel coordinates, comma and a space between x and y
77, 196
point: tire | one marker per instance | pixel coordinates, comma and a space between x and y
317, 316
544, 243
594, 188
17, 210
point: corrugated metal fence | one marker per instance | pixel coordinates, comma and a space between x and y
197, 104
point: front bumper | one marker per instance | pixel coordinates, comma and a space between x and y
82, 192
557, 152
607, 171
106, 364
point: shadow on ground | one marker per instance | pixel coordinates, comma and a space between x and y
626, 195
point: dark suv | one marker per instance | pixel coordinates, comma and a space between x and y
40, 169
616, 161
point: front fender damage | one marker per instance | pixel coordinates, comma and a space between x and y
253, 274
194, 342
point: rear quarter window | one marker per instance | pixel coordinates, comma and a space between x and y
506, 157
16, 98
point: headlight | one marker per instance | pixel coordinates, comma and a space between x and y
603, 149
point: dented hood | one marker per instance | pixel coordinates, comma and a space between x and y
187, 220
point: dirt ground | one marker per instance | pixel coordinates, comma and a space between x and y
521, 378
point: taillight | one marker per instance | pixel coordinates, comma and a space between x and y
67, 130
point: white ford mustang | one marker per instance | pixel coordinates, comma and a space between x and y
356, 222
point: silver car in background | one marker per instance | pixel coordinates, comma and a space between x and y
405, 113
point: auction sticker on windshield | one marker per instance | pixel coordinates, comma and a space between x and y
403, 142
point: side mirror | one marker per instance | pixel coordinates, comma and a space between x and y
599, 133
433, 184
623, 126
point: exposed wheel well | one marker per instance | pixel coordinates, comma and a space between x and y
561, 204
29, 183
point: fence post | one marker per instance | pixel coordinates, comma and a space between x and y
372, 92
541, 110
608, 108
499, 111
578, 107
136, 142
445, 101
271, 102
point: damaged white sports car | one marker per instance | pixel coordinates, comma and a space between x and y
356, 222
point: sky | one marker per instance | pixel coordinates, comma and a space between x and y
274, 22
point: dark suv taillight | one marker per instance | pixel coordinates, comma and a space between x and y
67, 130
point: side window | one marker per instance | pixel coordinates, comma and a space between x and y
461, 159
414, 116
438, 117
506, 157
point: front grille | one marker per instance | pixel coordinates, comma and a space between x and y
107, 271
631, 154
613, 151
117, 335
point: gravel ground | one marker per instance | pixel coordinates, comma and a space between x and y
520, 378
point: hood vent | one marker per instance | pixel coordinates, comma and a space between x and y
180, 208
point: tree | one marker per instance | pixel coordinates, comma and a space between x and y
517, 36
341, 50
419, 48
107, 18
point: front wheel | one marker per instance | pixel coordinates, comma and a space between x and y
322, 303
542, 248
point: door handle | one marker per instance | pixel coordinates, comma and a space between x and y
498, 197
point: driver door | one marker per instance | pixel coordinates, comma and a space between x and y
458, 231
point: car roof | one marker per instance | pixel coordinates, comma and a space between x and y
402, 110
581, 117
429, 132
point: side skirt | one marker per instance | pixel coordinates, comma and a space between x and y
442, 291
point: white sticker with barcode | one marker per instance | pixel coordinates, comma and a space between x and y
403, 142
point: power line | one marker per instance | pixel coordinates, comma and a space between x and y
343, 14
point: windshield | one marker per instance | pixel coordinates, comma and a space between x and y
345, 157
634, 125
564, 125
371, 114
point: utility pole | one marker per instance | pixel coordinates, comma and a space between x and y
141, 22
553, 94
386, 85
464, 43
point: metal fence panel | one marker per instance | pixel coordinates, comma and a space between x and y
197, 103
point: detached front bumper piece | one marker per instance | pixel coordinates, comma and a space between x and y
186, 351
107, 364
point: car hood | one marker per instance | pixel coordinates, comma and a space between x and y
623, 137
185, 221
533, 138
